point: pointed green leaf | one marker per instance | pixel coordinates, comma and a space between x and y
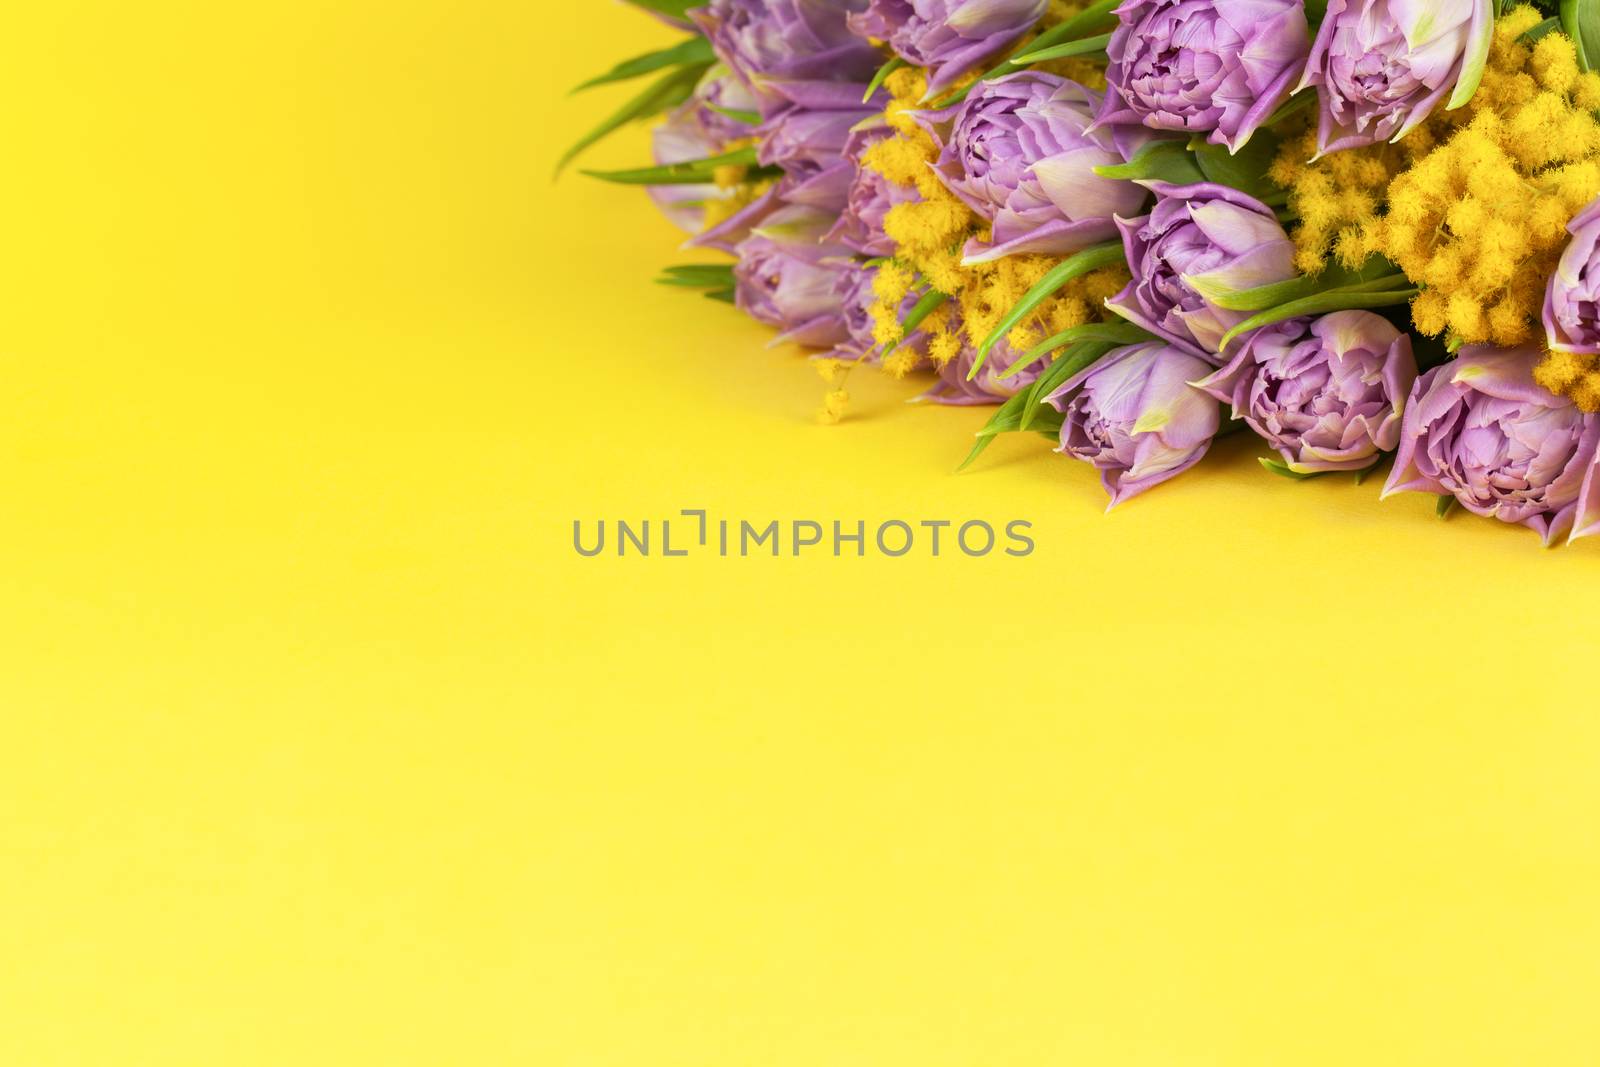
690, 172
1004, 420
1376, 274
1552, 24
696, 50
1444, 506
1056, 374
698, 276
1318, 304
1117, 331
1064, 51
1025, 409
1091, 258
927, 305
890, 65
1257, 299
1167, 161
668, 91
748, 118
1010, 417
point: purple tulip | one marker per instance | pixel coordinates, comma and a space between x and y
988, 387
1196, 66
1572, 298
1326, 393
773, 44
1135, 416
1381, 67
1480, 429
788, 278
808, 137
1198, 241
949, 37
869, 196
1019, 152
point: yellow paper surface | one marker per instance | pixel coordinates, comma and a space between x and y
319, 744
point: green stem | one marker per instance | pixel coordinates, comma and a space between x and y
1065, 51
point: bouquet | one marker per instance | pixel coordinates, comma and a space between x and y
1355, 228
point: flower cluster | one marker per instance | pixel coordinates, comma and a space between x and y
1357, 230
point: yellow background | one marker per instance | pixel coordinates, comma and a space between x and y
319, 745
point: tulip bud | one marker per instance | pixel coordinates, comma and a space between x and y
787, 278
1135, 416
1480, 429
1380, 68
770, 43
1572, 297
1198, 240
1018, 151
1326, 393
1195, 66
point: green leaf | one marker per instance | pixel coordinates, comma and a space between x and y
1317, 304
924, 307
699, 276
723, 295
1167, 161
697, 268
1581, 21
1009, 417
890, 65
696, 50
668, 91
1091, 258
1118, 331
1064, 51
1004, 420
1376, 274
1246, 169
1025, 409
1257, 299
1099, 15
1056, 374
1547, 26
1283, 470
1444, 506
749, 118
690, 172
